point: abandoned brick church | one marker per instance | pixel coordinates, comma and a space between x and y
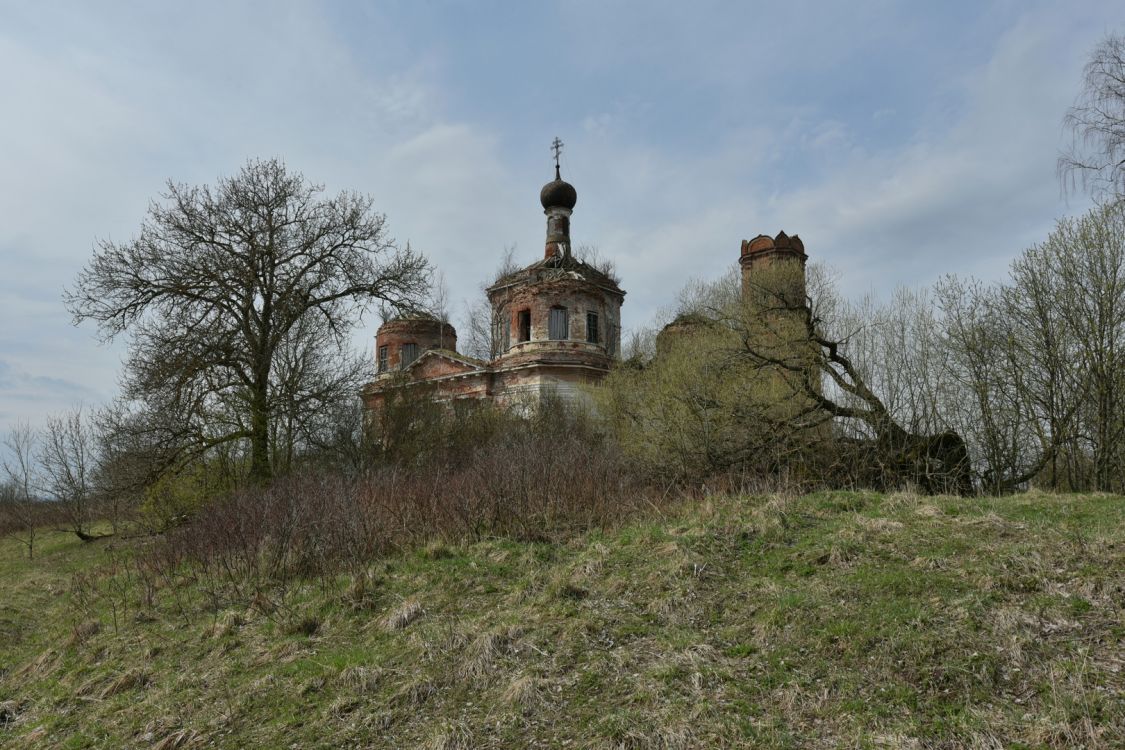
557, 325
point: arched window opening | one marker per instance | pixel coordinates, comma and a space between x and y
524, 323
407, 354
558, 327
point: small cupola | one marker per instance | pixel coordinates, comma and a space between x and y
558, 198
400, 341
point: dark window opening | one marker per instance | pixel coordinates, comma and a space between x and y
524, 325
559, 324
407, 354
592, 327
383, 356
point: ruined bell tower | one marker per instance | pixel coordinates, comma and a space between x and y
773, 269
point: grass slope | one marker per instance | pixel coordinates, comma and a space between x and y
838, 619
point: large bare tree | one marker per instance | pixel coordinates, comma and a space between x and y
220, 282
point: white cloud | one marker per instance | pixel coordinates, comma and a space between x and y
964, 198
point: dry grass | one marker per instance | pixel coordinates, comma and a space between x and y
482, 654
179, 740
228, 624
83, 632
452, 737
403, 615
101, 687
523, 693
879, 525
363, 680
40, 667
132, 680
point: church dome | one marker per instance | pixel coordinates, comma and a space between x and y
558, 193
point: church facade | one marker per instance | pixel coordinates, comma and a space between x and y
556, 326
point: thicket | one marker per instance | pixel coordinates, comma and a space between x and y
444, 477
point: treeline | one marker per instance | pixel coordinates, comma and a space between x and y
1028, 370
964, 387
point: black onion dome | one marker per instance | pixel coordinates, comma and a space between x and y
558, 193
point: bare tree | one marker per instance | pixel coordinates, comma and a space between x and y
320, 419
67, 465
21, 442
988, 373
482, 330
1038, 361
480, 335
437, 303
1096, 156
1047, 364
217, 285
1087, 256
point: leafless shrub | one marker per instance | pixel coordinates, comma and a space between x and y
534, 482
23, 519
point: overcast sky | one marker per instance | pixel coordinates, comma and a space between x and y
901, 140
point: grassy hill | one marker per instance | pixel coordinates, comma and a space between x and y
836, 619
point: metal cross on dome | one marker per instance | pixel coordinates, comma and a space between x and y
557, 147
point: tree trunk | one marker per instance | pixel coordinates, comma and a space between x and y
260, 472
